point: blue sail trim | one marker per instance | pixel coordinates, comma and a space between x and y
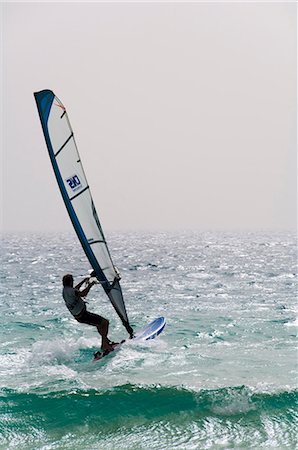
44, 100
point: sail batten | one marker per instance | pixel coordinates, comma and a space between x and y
77, 196
63, 145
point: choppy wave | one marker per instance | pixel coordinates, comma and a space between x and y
168, 416
231, 308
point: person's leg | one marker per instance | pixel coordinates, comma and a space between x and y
101, 324
103, 329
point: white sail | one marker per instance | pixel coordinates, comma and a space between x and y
77, 197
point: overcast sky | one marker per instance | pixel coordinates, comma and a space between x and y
184, 113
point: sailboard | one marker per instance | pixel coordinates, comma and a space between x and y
150, 331
77, 197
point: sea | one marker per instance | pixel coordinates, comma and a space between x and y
222, 374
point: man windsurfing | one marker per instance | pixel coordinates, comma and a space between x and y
73, 298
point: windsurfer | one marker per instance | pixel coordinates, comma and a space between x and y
73, 298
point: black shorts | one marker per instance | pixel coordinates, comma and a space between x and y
89, 318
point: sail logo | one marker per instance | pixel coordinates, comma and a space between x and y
74, 183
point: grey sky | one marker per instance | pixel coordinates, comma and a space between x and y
184, 114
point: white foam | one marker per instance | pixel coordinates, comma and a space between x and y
293, 323
50, 351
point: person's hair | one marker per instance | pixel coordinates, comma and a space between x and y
67, 280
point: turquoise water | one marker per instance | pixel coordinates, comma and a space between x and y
222, 375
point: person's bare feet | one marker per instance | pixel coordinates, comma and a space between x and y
106, 345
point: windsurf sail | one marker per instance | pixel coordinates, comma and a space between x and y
77, 197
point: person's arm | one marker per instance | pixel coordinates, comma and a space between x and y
85, 291
81, 283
